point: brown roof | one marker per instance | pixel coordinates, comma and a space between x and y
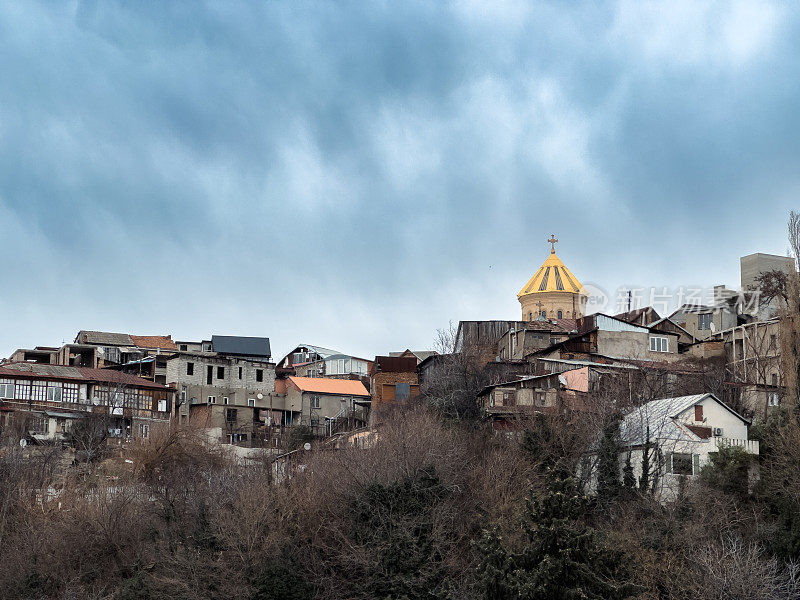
45, 371
103, 338
162, 342
322, 385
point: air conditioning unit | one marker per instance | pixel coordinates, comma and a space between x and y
717, 431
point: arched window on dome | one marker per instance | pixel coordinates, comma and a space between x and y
530, 316
560, 314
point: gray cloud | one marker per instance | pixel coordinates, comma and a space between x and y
357, 174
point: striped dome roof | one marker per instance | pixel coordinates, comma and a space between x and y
552, 276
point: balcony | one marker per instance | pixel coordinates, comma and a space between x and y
749, 446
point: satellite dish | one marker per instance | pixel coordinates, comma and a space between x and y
259, 395
23, 442
306, 446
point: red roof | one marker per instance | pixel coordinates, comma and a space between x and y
322, 385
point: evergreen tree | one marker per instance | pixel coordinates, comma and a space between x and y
562, 559
628, 478
608, 483
644, 480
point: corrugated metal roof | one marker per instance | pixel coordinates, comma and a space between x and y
661, 417
45, 371
246, 346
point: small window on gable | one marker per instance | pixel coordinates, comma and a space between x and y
698, 412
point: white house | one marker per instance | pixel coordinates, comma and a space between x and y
683, 432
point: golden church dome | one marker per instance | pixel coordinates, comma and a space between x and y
552, 276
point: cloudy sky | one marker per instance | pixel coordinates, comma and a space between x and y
356, 175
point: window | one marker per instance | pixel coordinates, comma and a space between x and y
6, 389
183, 395
251, 402
144, 430
162, 406
560, 314
240, 372
231, 415
659, 344
683, 463
39, 391
704, 321
207, 347
69, 392
341, 366
698, 412
225, 400
22, 390
212, 399
773, 399
259, 374
530, 316
184, 347
773, 341
61, 425
314, 401
775, 379
53, 392
209, 374
40, 425
190, 368
220, 372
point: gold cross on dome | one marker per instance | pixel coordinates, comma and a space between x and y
553, 240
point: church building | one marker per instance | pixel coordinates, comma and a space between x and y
553, 292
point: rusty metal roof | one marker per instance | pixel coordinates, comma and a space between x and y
45, 371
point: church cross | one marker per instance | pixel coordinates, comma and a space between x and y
553, 240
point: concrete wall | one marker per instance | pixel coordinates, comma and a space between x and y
238, 391
754, 264
635, 344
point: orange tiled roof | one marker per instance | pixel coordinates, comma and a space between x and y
163, 342
322, 385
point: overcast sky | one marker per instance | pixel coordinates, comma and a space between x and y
356, 175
